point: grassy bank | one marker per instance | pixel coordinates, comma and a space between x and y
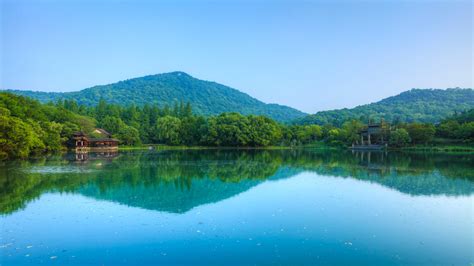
168, 147
316, 145
440, 148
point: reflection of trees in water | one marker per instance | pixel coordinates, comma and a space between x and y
382, 164
414, 174
18, 186
203, 176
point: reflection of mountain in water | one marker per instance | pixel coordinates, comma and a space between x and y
171, 198
177, 181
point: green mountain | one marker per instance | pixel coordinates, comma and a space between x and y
172, 199
207, 98
416, 105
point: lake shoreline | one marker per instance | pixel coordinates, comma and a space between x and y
416, 148
156, 147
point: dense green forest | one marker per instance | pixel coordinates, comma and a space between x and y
29, 127
207, 98
416, 105
211, 98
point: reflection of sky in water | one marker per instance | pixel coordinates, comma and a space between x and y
307, 218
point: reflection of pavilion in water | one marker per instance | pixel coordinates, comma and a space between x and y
373, 161
84, 156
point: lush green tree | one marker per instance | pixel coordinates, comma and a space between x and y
334, 136
131, 116
228, 129
112, 124
350, 131
51, 136
67, 130
167, 130
263, 131
289, 136
421, 133
17, 138
457, 127
128, 135
190, 130
448, 129
399, 137
101, 109
86, 124
308, 133
466, 132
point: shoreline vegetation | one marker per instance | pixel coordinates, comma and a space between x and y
29, 127
453, 149
316, 146
441, 148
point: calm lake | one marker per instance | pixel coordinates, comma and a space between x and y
238, 207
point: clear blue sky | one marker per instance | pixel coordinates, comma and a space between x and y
311, 55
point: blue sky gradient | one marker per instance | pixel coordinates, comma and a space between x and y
311, 55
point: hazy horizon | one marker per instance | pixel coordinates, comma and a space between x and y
312, 56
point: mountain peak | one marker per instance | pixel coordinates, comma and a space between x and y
206, 97
178, 74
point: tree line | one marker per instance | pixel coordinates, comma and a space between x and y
416, 105
29, 127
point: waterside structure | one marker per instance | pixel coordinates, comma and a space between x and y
371, 138
82, 142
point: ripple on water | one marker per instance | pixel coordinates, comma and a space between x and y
58, 169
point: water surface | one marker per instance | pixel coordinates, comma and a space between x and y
238, 207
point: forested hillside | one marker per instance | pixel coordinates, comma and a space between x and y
28, 127
416, 105
207, 98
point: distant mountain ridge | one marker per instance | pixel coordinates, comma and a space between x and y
206, 97
211, 98
416, 105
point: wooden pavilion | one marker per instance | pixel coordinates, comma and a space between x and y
371, 138
83, 141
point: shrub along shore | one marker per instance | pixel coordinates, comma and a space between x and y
29, 127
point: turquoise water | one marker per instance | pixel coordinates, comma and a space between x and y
238, 207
